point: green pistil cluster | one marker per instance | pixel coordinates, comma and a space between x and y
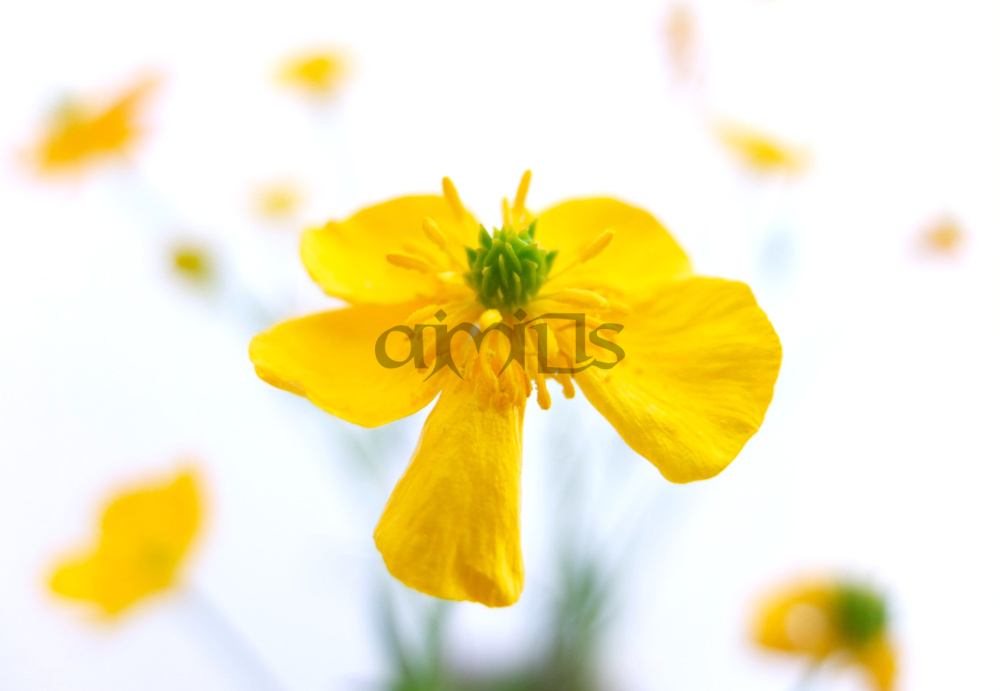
861, 613
508, 267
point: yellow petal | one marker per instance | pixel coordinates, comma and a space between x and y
451, 527
641, 254
701, 359
145, 535
319, 73
879, 658
82, 134
75, 579
330, 359
348, 259
798, 618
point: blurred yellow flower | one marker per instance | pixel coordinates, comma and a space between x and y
681, 39
145, 534
317, 73
944, 237
829, 619
278, 201
759, 152
82, 134
702, 359
192, 263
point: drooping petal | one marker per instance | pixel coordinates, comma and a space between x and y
330, 358
879, 658
451, 527
701, 359
348, 259
641, 254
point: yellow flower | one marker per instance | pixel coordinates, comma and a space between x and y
829, 619
277, 201
759, 152
700, 363
319, 73
193, 263
80, 135
145, 534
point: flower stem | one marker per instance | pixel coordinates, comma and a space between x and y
808, 676
214, 619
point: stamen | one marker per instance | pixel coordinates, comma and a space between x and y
522, 194
567, 384
421, 252
451, 194
597, 246
434, 234
408, 261
577, 297
544, 399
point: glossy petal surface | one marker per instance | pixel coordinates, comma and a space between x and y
701, 360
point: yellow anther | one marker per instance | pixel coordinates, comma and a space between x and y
423, 314
597, 246
451, 195
408, 261
567, 384
578, 298
544, 399
434, 234
522, 194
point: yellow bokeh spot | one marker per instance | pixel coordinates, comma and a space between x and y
945, 238
192, 263
278, 201
759, 152
318, 73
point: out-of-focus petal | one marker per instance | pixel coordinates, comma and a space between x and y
701, 360
879, 658
451, 527
798, 619
145, 536
80, 134
759, 152
318, 73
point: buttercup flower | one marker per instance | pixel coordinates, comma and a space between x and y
80, 134
829, 619
759, 152
319, 74
145, 534
700, 360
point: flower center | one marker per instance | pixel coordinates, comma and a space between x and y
508, 267
861, 613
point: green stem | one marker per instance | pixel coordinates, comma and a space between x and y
214, 619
